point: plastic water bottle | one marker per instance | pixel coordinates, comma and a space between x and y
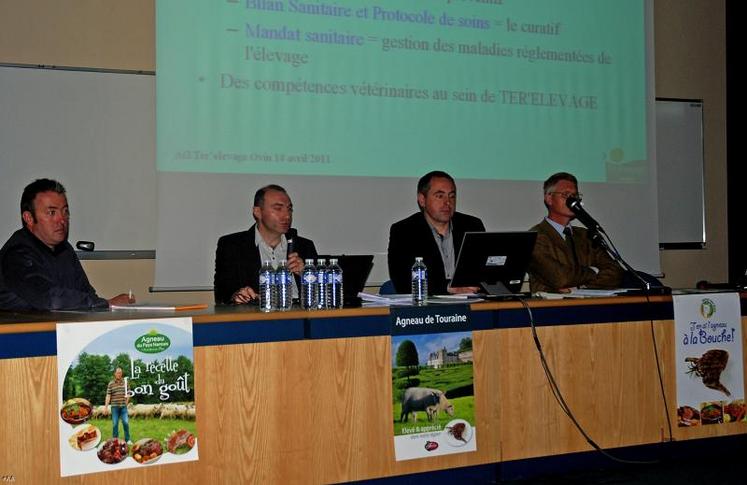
267, 287
334, 281
308, 286
322, 285
284, 285
419, 283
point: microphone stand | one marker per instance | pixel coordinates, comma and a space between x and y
646, 286
599, 236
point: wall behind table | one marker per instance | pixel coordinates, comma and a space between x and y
111, 277
690, 63
79, 33
82, 34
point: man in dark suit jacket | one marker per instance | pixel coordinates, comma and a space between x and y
564, 256
435, 233
238, 258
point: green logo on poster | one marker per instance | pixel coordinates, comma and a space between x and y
707, 308
152, 343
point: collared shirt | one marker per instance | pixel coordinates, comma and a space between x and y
274, 255
559, 227
445, 245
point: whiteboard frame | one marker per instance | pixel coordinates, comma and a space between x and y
680, 158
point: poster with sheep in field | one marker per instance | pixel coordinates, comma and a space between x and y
433, 391
126, 394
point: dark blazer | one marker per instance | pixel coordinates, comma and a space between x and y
237, 262
552, 266
412, 237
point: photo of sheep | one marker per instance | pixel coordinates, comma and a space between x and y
432, 381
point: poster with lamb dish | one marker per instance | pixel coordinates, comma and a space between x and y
432, 381
125, 394
709, 365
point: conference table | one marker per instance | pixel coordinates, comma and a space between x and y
307, 397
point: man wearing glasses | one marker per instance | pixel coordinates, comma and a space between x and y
39, 269
564, 256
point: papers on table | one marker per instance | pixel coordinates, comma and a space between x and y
589, 293
460, 298
370, 299
158, 307
696, 291
403, 299
582, 293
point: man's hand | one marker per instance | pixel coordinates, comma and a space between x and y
244, 295
295, 263
121, 299
456, 290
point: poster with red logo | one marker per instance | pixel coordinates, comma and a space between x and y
709, 363
126, 394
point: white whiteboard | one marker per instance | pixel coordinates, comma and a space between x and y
95, 133
679, 154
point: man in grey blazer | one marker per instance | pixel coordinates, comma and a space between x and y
564, 256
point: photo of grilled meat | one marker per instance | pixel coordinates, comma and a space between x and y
710, 366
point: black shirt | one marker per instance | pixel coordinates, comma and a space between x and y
35, 277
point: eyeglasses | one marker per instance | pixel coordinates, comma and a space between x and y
567, 195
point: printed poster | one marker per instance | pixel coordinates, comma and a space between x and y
144, 370
432, 381
709, 362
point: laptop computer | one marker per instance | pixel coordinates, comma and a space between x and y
355, 271
494, 261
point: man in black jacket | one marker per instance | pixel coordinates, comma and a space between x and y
39, 269
239, 256
435, 233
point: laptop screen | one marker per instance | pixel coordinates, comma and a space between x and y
495, 261
355, 271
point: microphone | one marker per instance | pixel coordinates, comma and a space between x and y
85, 245
290, 236
575, 205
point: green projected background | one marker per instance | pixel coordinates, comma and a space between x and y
502, 90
